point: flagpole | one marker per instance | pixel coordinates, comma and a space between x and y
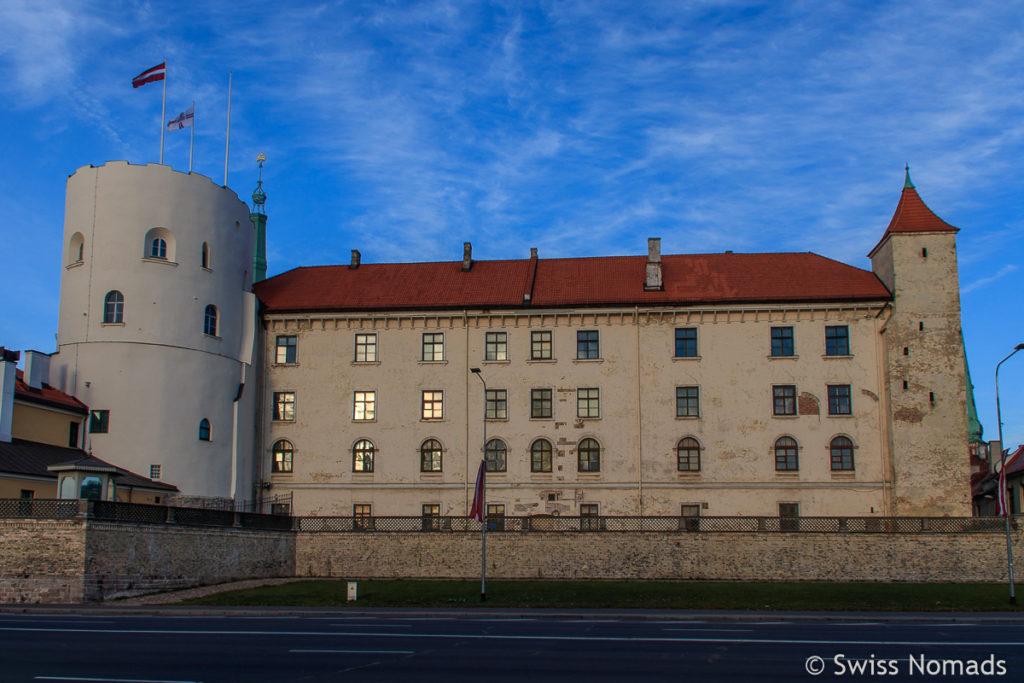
1004, 504
480, 495
192, 136
163, 118
227, 142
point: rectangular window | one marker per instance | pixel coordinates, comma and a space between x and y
540, 403
782, 341
686, 342
99, 421
540, 345
365, 408
280, 509
27, 494
690, 512
784, 399
839, 399
496, 346
284, 406
495, 517
590, 517
837, 340
286, 348
362, 517
433, 347
687, 401
497, 404
588, 403
366, 347
154, 471
73, 435
433, 405
431, 517
587, 344
789, 514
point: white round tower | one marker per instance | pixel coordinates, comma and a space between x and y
156, 324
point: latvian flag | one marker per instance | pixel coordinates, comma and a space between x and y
1003, 507
183, 119
156, 73
477, 511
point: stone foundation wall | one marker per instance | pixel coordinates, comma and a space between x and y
41, 560
703, 556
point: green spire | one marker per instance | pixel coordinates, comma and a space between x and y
907, 185
974, 429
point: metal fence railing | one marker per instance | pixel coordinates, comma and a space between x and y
112, 511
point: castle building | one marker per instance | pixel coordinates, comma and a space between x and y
712, 384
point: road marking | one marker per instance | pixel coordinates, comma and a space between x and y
108, 680
359, 652
712, 630
376, 625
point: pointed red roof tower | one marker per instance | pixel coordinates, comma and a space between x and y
913, 215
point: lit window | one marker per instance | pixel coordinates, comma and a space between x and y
588, 403
495, 455
204, 430
686, 342
841, 452
496, 404
282, 451
365, 408
496, 346
495, 517
540, 403
839, 399
362, 456
113, 307
588, 344
837, 340
287, 348
431, 516
433, 346
540, 456
432, 405
540, 345
589, 452
366, 348
362, 517
157, 248
784, 399
99, 421
284, 406
688, 455
782, 341
687, 401
430, 456
786, 454
210, 321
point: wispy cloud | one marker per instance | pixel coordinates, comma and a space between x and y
985, 281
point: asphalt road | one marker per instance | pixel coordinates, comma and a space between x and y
497, 646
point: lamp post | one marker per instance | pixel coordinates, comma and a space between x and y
1001, 489
483, 501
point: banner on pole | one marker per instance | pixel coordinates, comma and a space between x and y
183, 119
155, 73
477, 512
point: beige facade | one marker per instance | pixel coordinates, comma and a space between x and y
47, 424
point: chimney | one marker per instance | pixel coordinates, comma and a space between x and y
467, 256
356, 258
37, 369
653, 281
8, 372
533, 252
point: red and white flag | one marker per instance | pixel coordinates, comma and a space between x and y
477, 511
1002, 487
156, 73
183, 119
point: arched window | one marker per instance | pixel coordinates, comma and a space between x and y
589, 452
92, 488
76, 248
841, 450
786, 455
205, 257
430, 456
204, 430
159, 245
282, 456
362, 456
113, 307
210, 321
494, 455
688, 455
158, 248
540, 456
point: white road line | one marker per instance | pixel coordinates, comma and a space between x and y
108, 680
359, 652
712, 630
375, 625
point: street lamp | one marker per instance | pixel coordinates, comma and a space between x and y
1001, 489
483, 503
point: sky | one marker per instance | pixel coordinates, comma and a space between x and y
403, 129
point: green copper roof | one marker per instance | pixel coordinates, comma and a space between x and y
907, 185
974, 428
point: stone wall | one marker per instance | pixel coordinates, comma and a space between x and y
41, 560
698, 556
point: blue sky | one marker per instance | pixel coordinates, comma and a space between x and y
403, 129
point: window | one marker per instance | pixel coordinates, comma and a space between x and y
72, 435
540, 345
782, 341
432, 405
76, 248
496, 347
839, 399
113, 307
430, 456
788, 514
282, 461
433, 346
588, 403
287, 348
495, 455
210, 321
496, 405
27, 494
786, 455
587, 345
590, 517
687, 401
362, 456
365, 406
688, 455
837, 340
841, 452
204, 430
284, 406
362, 517
784, 399
589, 452
158, 248
366, 348
540, 403
495, 517
686, 342
540, 456
99, 421
431, 517
204, 258
690, 512
154, 471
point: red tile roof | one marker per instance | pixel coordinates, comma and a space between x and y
47, 396
608, 281
913, 215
